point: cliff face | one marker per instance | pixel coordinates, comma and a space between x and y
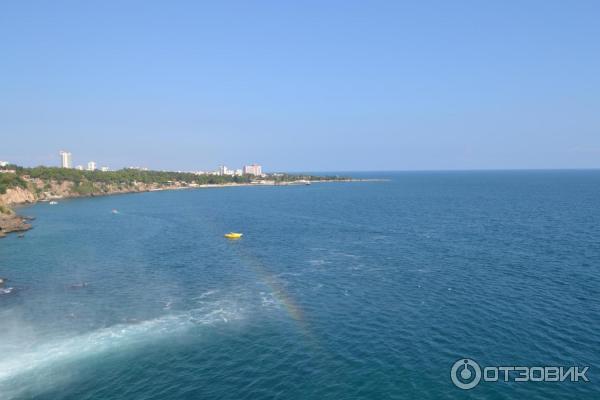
43, 190
17, 196
9, 222
38, 189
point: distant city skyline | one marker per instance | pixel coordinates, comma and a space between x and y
320, 86
65, 160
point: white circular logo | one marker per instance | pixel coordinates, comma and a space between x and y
465, 374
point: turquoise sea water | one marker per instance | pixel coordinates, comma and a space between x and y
337, 291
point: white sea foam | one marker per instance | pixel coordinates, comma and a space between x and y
7, 290
342, 254
268, 300
80, 346
318, 262
47, 357
282, 274
205, 294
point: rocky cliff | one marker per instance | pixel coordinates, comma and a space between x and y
42, 190
17, 196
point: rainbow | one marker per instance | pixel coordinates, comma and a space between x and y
281, 295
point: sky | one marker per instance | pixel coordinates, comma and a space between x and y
302, 86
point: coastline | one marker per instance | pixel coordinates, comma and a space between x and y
11, 222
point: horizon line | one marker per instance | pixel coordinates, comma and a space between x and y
502, 169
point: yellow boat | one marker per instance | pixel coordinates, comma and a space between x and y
233, 235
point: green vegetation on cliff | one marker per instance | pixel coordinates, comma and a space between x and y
44, 183
88, 182
8, 180
124, 176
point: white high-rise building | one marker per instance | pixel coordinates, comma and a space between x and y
223, 170
79, 167
91, 166
104, 169
253, 169
65, 159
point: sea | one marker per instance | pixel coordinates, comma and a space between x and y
342, 290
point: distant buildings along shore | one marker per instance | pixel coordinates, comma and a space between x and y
66, 161
253, 169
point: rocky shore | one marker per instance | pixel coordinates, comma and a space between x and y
13, 223
44, 190
39, 190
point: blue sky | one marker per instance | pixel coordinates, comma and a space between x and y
323, 85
